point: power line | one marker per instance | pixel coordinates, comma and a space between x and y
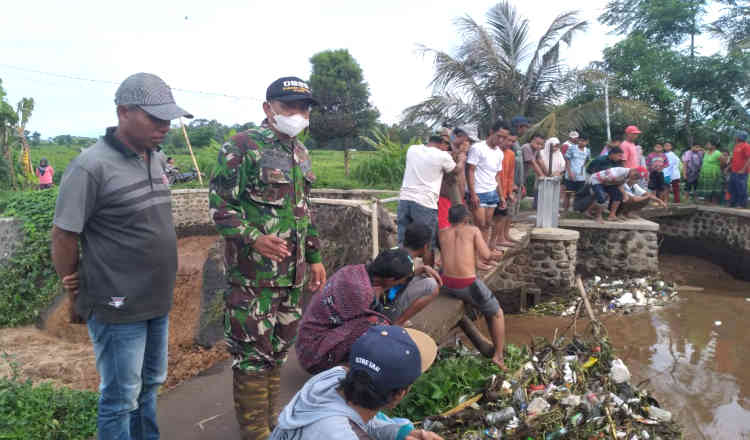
79, 78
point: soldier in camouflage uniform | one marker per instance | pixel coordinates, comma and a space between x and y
260, 203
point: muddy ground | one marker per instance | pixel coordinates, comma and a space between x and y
63, 354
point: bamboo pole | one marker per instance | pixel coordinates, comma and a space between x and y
190, 148
587, 304
375, 229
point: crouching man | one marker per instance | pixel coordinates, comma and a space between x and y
460, 243
344, 402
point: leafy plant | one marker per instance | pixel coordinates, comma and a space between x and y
387, 165
29, 279
456, 376
44, 411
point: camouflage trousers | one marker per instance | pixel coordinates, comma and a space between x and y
260, 325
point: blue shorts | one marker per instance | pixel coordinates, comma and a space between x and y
489, 199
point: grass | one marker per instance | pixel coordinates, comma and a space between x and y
328, 165
44, 411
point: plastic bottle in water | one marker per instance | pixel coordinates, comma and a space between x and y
560, 433
659, 414
502, 416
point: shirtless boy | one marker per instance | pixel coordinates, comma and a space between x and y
460, 243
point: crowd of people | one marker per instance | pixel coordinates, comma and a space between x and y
459, 197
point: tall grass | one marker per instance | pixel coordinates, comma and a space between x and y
386, 166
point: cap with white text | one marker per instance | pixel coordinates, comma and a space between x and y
289, 89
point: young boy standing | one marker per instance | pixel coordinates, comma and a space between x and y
461, 242
503, 216
575, 174
656, 162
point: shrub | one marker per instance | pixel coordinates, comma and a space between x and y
386, 166
455, 376
44, 411
29, 282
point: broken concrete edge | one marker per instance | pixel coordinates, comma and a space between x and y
629, 225
554, 234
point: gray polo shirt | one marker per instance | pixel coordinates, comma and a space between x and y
122, 211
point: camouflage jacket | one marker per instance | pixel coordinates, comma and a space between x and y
262, 186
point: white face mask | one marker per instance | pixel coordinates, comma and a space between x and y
290, 125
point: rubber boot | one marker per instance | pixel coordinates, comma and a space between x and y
251, 404
274, 389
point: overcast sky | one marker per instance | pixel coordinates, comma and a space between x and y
235, 48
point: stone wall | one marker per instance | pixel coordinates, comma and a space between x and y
352, 194
345, 231
626, 249
554, 253
190, 212
721, 235
11, 236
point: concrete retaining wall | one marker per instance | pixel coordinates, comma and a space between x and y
11, 236
625, 248
721, 235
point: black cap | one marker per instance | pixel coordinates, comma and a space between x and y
288, 89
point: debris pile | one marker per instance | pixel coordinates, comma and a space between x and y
613, 296
568, 388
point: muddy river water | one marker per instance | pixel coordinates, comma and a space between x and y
694, 353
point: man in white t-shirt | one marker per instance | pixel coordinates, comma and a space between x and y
420, 189
484, 165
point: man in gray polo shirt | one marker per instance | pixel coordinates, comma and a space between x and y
114, 201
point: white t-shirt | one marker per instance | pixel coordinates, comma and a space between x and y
673, 170
424, 174
634, 190
489, 162
611, 176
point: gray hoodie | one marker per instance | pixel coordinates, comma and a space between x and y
318, 411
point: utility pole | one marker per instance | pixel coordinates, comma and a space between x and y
606, 106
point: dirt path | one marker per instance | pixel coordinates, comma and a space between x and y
62, 353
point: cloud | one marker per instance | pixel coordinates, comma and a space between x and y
235, 48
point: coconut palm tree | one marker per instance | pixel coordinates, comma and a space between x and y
497, 71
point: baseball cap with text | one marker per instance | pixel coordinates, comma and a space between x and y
393, 357
151, 94
288, 89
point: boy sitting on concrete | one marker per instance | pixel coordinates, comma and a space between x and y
637, 199
400, 303
460, 243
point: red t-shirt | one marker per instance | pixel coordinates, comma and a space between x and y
631, 154
740, 156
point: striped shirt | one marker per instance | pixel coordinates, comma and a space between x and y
122, 210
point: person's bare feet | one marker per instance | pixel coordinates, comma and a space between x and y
599, 219
498, 360
612, 218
